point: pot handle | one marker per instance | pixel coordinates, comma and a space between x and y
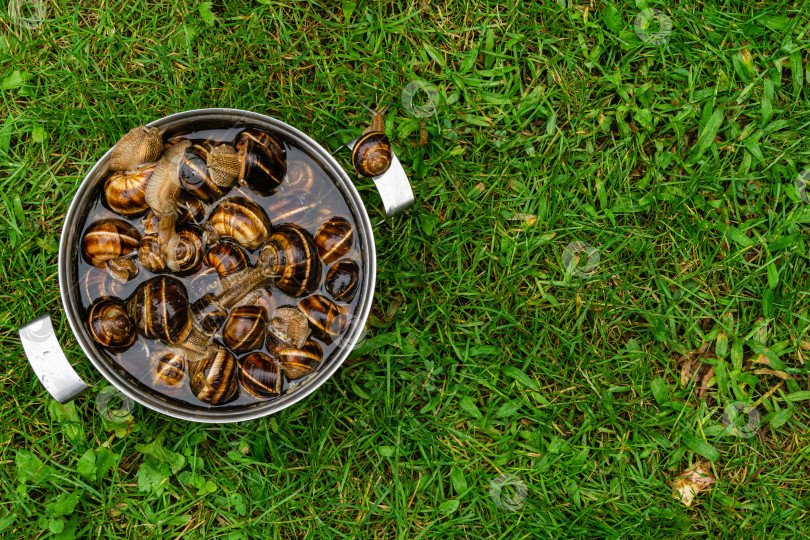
48, 360
393, 185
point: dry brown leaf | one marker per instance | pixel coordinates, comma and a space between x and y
765, 371
692, 481
527, 219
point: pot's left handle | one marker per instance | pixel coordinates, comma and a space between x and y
49, 362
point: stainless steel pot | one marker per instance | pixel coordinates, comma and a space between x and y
64, 384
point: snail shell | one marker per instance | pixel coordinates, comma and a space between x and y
260, 376
109, 239
371, 155
160, 309
109, 324
213, 379
290, 326
97, 283
193, 173
138, 146
125, 191
242, 220
185, 250
263, 161
150, 253
300, 176
226, 258
170, 367
299, 362
334, 239
245, 328
209, 313
326, 318
342, 280
294, 260
292, 208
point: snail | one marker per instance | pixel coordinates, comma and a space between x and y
182, 255
263, 161
170, 367
209, 313
163, 191
334, 239
125, 191
326, 318
213, 379
207, 172
138, 146
371, 155
107, 244
293, 208
159, 307
342, 280
97, 283
245, 328
190, 211
241, 220
226, 258
290, 326
260, 375
300, 176
110, 325
297, 362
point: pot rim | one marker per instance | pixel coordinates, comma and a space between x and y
69, 239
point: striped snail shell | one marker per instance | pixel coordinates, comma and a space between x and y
184, 250
294, 260
226, 258
170, 367
150, 253
263, 161
110, 325
213, 379
290, 326
193, 173
296, 362
208, 313
125, 191
97, 283
241, 220
371, 155
109, 239
342, 280
334, 239
260, 375
160, 309
300, 176
326, 318
245, 328
138, 146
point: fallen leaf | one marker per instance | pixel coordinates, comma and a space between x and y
692, 481
527, 219
764, 371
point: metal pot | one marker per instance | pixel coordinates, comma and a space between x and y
64, 384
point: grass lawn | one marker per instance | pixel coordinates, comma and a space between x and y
608, 251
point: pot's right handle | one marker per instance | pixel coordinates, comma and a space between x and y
393, 185
48, 360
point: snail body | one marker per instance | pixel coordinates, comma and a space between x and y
260, 375
109, 324
138, 146
213, 379
241, 220
334, 239
263, 161
342, 280
125, 191
290, 326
